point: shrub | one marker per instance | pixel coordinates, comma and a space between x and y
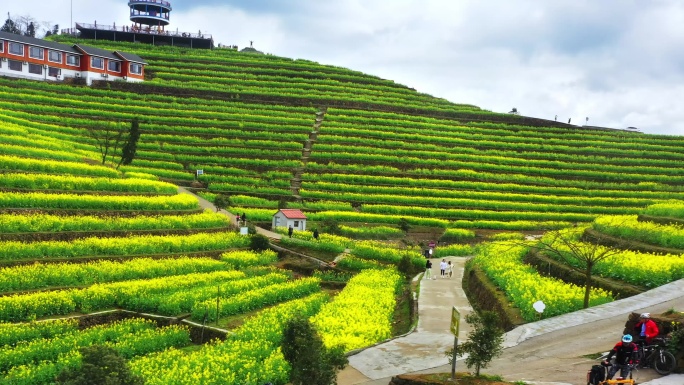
101, 365
311, 362
404, 225
406, 266
259, 243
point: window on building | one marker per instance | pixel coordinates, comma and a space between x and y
97, 62
73, 60
296, 224
136, 68
36, 69
15, 65
54, 72
115, 66
16, 49
2, 46
36, 53
55, 56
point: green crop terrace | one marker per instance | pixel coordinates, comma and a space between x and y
78, 237
387, 150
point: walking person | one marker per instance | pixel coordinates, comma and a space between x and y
442, 268
315, 234
428, 269
290, 230
450, 269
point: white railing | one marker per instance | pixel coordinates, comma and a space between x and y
146, 30
162, 2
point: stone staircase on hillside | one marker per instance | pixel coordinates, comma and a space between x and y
296, 181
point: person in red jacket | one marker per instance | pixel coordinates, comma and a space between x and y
625, 352
646, 328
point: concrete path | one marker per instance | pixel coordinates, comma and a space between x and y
549, 351
205, 204
425, 347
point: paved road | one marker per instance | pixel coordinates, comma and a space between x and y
425, 347
546, 352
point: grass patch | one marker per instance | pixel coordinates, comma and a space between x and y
461, 379
402, 320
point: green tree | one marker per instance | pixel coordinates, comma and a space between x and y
310, 362
404, 225
222, 202
31, 30
101, 365
10, 26
130, 147
485, 340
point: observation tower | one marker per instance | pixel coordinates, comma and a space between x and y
150, 15
150, 19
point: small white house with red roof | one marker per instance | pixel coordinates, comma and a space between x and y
289, 218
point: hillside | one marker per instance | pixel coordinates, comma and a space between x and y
378, 152
94, 245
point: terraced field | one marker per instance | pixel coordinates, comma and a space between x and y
650, 253
78, 237
386, 151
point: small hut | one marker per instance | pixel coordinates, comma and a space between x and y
289, 218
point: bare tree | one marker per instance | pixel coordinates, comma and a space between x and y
566, 247
108, 138
25, 24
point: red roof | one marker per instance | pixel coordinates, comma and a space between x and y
293, 214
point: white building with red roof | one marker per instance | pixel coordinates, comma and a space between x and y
30, 58
289, 218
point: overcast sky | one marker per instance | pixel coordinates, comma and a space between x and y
618, 62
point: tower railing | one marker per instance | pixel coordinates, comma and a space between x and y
157, 15
162, 2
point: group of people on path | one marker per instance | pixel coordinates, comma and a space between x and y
625, 351
446, 269
239, 218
